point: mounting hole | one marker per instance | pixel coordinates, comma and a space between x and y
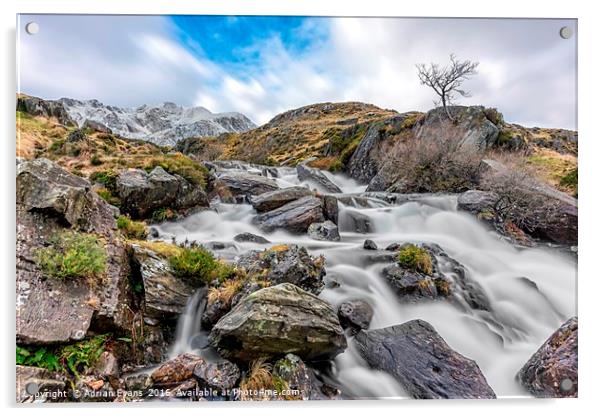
566, 384
32, 28
566, 32
32, 388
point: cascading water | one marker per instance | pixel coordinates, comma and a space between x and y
530, 291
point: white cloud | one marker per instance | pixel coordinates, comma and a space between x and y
526, 69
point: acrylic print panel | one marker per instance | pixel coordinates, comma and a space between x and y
295, 208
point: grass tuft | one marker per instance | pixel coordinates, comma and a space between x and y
416, 259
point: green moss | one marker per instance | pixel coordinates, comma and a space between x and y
416, 259
72, 255
132, 229
177, 163
196, 266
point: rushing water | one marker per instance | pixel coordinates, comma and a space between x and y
531, 291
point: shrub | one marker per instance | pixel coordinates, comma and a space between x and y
416, 259
493, 115
570, 180
56, 146
82, 356
195, 265
96, 160
132, 229
106, 177
72, 255
162, 214
108, 196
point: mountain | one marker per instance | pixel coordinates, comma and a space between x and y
164, 124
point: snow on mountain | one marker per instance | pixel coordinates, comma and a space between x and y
164, 124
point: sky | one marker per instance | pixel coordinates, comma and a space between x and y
262, 66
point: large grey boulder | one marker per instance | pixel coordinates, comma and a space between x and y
422, 362
478, 202
275, 199
276, 321
51, 200
326, 230
318, 178
142, 193
165, 296
552, 370
244, 184
296, 216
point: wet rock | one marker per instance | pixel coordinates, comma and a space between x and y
357, 222
326, 230
370, 245
165, 296
32, 380
318, 178
355, 313
330, 208
245, 184
141, 193
286, 264
410, 284
393, 247
275, 199
279, 320
294, 374
218, 375
296, 216
49, 201
93, 389
176, 370
422, 362
251, 238
552, 370
478, 202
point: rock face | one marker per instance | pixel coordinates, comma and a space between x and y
422, 362
143, 193
279, 320
164, 124
275, 199
355, 313
286, 264
296, 216
45, 108
244, 184
318, 178
552, 370
49, 310
470, 127
326, 230
164, 294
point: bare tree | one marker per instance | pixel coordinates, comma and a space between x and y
446, 81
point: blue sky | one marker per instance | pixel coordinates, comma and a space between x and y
262, 66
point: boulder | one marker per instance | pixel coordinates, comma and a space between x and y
49, 310
370, 245
478, 202
107, 366
330, 208
326, 230
296, 216
244, 184
275, 199
297, 376
32, 380
470, 127
318, 178
219, 375
355, 313
165, 296
141, 193
422, 362
250, 238
176, 370
279, 320
552, 370
357, 222
286, 264
96, 126
408, 284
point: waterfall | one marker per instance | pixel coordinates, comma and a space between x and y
189, 336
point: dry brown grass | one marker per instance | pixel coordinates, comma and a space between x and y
258, 377
34, 134
226, 291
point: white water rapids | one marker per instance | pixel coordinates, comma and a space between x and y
524, 313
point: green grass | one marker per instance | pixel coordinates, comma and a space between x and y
82, 356
198, 267
415, 258
571, 180
108, 178
72, 255
41, 357
96, 160
179, 164
132, 229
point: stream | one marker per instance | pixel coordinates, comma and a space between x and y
532, 291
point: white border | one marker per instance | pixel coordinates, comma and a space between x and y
590, 151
